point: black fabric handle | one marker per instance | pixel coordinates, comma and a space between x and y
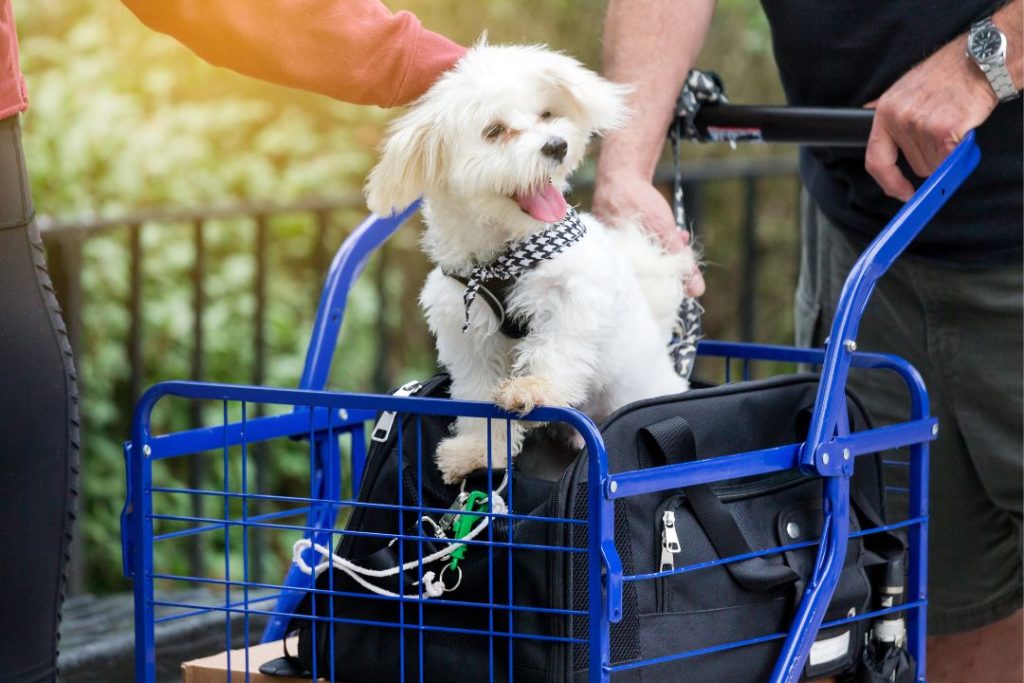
891, 546
674, 441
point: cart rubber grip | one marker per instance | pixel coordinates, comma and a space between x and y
814, 126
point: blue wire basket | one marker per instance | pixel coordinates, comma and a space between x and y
324, 433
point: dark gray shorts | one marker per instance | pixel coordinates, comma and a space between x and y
963, 331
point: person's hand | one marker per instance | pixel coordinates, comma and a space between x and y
925, 114
631, 197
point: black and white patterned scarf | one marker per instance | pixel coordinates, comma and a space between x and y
700, 88
686, 332
525, 254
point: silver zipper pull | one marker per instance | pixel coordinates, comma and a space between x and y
668, 520
668, 562
669, 541
382, 429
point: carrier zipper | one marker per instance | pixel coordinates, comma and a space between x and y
669, 541
665, 517
669, 548
692, 394
382, 430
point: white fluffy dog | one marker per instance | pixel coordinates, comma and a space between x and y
490, 147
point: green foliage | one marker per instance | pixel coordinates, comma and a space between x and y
122, 118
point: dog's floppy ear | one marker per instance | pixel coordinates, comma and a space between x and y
411, 158
595, 102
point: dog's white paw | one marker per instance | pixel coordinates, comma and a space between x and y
458, 456
523, 394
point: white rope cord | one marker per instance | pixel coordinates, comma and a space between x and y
433, 587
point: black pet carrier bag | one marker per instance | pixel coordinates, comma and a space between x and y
370, 640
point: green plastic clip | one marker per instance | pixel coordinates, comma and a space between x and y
464, 524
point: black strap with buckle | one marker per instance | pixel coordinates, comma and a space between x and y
495, 292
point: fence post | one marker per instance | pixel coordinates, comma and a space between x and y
197, 371
134, 316
748, 281
381, 380
259, 361
320, 257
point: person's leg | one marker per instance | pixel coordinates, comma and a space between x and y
38, 435
974, 551
984, 654
980, 336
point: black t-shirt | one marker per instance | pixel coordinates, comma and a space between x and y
843, 53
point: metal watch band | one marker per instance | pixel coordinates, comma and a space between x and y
999, 76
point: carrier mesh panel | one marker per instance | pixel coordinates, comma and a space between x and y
625, 637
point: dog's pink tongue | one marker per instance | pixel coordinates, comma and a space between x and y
546, 204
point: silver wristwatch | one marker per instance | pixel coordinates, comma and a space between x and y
986, 45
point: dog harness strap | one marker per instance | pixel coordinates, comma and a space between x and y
495, 292
517, 259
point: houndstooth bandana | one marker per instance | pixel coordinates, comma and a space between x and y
525, 255
700, 88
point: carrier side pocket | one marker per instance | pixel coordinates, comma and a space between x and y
674, 440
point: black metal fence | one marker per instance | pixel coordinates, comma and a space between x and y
734, 189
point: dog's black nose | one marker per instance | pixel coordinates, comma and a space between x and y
555, 148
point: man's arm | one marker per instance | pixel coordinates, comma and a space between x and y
926, 112
651, 45
352, 50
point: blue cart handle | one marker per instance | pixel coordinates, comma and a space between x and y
821, 452
872, 264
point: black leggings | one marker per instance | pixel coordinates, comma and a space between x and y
38, 435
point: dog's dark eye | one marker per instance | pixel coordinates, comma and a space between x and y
492, 131
546, 115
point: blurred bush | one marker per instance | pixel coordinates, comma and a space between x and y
123, 118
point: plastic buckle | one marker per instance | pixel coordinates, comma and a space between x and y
464, 522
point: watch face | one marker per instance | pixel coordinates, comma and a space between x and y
986, 44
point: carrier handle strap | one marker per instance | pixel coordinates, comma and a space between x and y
891, 545
674, 441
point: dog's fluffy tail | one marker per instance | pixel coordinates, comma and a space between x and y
662, 275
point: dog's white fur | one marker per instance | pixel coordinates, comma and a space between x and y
600, 312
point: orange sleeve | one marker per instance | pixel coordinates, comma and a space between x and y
13, 97
352, 50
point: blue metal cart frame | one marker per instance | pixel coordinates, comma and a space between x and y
830, 451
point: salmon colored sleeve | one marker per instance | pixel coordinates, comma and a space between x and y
13, 97
352, 50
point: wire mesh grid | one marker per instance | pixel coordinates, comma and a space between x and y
509, 616
330, 439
